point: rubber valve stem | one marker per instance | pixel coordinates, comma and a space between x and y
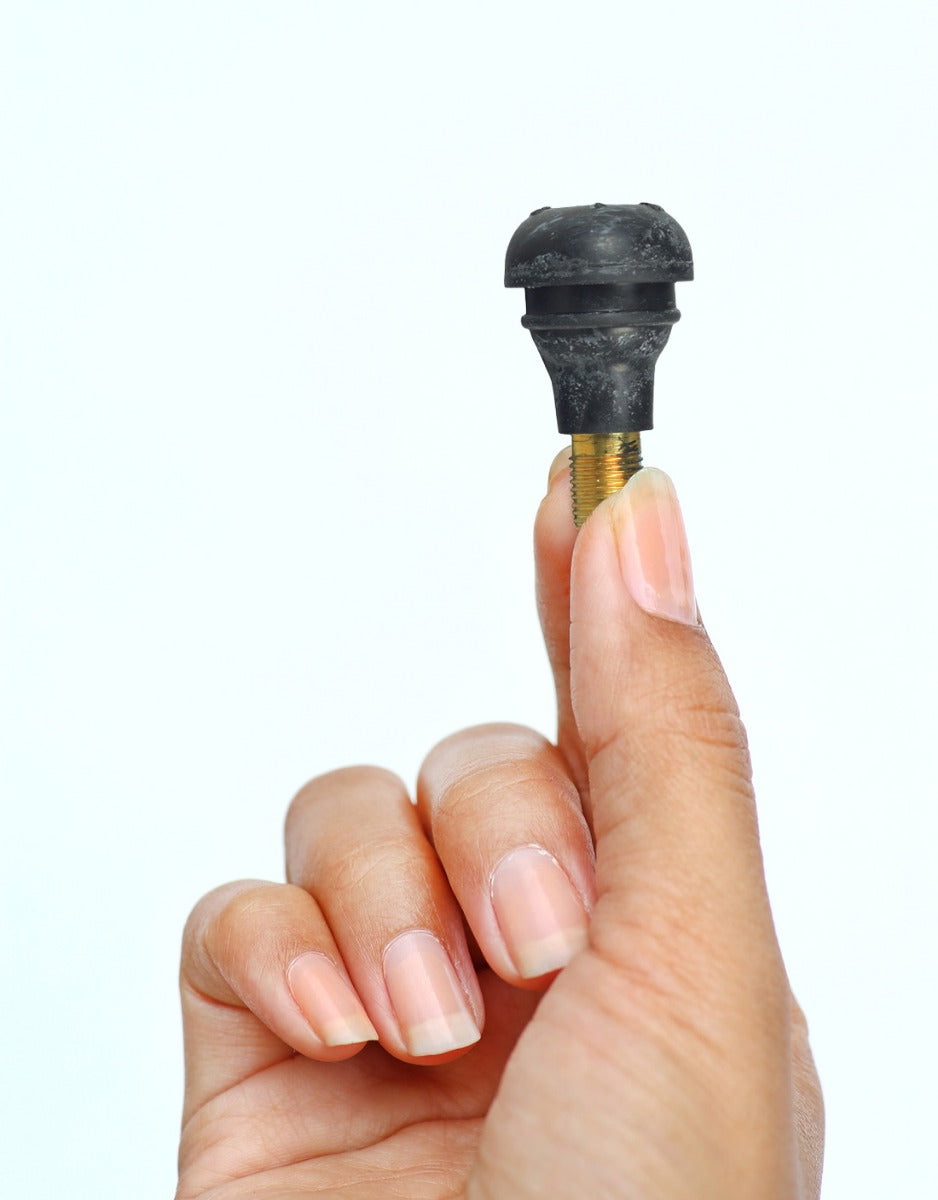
599, 284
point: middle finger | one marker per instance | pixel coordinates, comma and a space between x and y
354, 842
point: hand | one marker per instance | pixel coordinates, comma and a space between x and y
640, 1037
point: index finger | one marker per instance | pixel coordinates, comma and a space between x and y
554, 539
505, 819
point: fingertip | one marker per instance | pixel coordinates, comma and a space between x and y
554, 531
320, 1052
560, 464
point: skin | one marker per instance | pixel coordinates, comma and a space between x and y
667, 1060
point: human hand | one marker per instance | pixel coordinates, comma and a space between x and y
666, 1059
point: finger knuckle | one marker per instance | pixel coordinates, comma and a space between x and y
224, 913
343, 782
201, 947
475, 766
391, 856
246, 905
494, 731
494, 741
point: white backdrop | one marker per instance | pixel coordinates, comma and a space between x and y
273, 438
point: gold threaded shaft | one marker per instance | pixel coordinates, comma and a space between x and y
601, 464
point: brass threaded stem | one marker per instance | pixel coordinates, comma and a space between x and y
601, 464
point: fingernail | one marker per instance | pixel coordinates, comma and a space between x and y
426, 994
541, 917
328, 1001
653, 550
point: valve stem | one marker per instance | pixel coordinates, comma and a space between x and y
601, 464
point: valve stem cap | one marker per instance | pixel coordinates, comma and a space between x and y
599, 290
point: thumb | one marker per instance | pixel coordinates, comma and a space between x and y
670, 782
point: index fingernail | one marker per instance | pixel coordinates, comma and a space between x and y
541, 918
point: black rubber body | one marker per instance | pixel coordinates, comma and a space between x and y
599, 285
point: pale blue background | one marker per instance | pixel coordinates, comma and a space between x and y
273, 438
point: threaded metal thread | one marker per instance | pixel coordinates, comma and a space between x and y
601, 464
